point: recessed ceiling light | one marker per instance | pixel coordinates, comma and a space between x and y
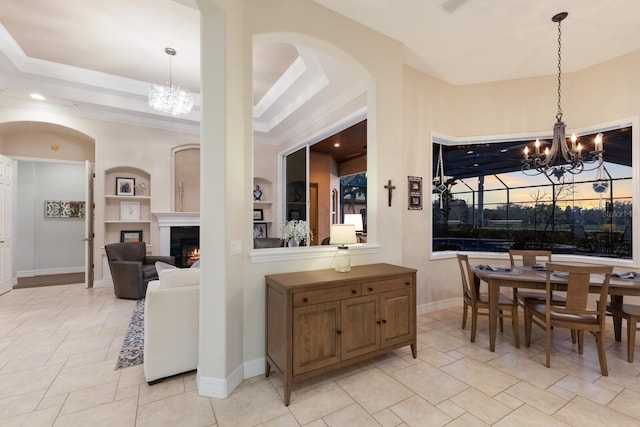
504, 150
336, 144
470, 152
37, 97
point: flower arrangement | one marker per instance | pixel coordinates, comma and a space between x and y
296, 230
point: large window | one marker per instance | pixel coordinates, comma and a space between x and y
485, 202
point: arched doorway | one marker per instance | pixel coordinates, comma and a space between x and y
50, 212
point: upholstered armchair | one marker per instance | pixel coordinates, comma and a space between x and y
132, 269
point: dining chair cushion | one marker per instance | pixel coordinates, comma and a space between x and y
502, 298
557, 314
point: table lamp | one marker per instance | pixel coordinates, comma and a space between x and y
342, 235
356, 220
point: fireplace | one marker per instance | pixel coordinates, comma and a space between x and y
185, 245
180, 236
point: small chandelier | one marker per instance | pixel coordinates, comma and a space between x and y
170, 99
560, 159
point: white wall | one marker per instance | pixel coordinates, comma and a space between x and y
48, 245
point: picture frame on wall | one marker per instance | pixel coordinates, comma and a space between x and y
258, 215
415, 192
260, 230
125, 186
129, 211
131, 236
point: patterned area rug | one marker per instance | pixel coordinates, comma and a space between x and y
133, 344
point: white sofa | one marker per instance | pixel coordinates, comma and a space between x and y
171, 318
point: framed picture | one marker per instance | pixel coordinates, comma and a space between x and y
129, 211
134, 236
415, 192
259, 230
125, 186
415, 202
258, 215
415, 184
294, 214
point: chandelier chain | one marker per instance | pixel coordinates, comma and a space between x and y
559, 114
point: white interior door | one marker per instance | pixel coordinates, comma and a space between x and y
88, 225
7, 278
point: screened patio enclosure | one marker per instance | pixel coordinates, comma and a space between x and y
484, 202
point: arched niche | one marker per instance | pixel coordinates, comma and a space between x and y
185, 167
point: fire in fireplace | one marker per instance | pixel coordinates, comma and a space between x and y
185, 245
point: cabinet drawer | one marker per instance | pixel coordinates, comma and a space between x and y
315, 297
386, 285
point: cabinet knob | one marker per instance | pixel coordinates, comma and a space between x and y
339, 332
384, 320
305, 299
378, 322
370, 289
353, 291
407, 283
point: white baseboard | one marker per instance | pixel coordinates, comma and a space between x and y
253, 368
439, 305
102, 284
219, 388
48, 271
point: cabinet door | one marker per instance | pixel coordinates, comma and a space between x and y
360, 328
316, 340
397, 313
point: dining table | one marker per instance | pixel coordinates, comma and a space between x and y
536, 278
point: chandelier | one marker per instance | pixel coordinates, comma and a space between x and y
560, 159
170, 99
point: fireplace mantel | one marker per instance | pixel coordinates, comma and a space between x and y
166, 220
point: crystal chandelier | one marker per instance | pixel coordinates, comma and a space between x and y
170, 99
560, 159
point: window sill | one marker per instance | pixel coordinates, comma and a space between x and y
306, 252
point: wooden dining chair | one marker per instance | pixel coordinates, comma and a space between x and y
479, 302
631, 313
530, 258
574, 314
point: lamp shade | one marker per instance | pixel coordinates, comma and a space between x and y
342, 234
356, 220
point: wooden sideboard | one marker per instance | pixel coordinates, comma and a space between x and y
321, 320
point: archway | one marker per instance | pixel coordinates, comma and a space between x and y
53, 168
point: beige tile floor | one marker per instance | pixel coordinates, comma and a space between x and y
59, 345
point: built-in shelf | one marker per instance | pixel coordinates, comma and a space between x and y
116, 221
266, 205
113, 197
113, 204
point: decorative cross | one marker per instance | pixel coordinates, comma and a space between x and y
390, 188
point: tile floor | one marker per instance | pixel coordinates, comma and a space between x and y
59, 345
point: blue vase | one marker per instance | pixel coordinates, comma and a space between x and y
257, 193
